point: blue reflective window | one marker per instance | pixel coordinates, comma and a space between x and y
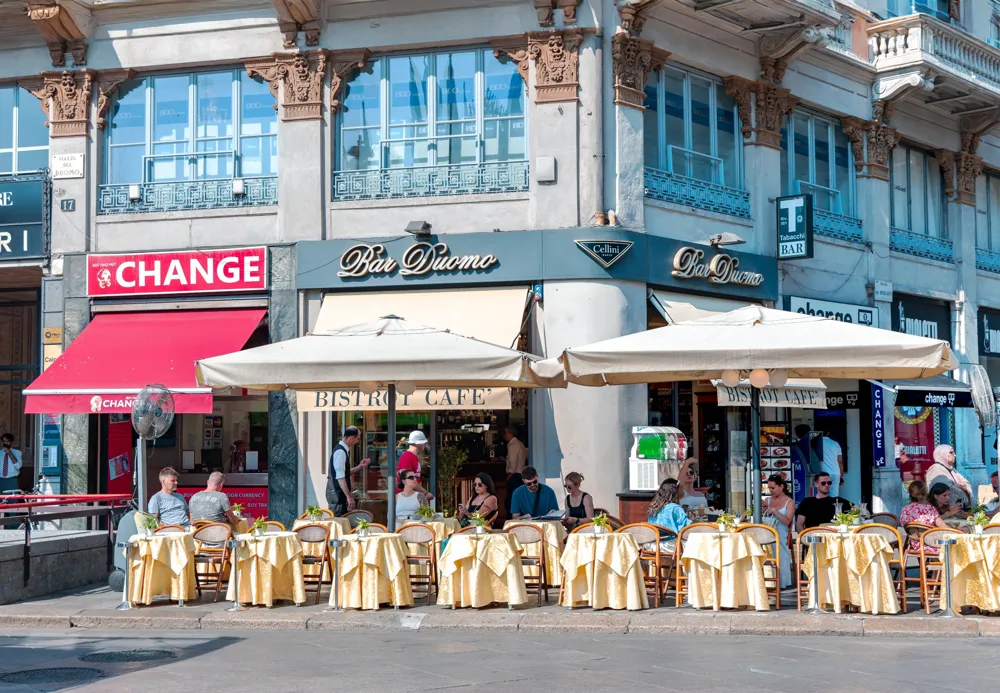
918, 195
24, 139
691, 128
207, 125
988, 211
456, 107
818, 161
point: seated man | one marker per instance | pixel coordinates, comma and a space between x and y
166, 505
212, 504
819, 510
532, 499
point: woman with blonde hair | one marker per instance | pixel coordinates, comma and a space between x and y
579, 504
689, 475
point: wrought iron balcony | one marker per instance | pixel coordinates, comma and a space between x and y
431, 181
988, 260
919, 245
681, 190
937, 62
186, 195
837, 226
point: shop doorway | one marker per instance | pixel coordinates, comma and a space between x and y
20, 361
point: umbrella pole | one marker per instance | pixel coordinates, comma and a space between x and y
390, 521
755, 451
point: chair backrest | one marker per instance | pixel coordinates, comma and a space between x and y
915, 529
991, 529
491, 518
169, 529
313, 534
466, 530
932, 537
885, 519
200, 523
324, 514
697, 528
213, 533
891, 534
643, 532
615, 523
526, 534
800, 543
373, 528
417, 534
272, 526
356, 515
581, 526
766, 535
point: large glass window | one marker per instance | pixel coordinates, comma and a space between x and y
459, 107
192, 127
692, 128
939, 9
817, 161
917, 192
24, 139
988, 211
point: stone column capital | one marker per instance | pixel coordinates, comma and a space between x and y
761, 106
65, 98
632, 60
556, 55
300, 76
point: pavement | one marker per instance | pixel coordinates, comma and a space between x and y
94, 608
175, 661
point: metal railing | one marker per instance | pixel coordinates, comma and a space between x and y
988, 260
838, 226
920, 245
431, 181
671, 187
186, 195
694, 164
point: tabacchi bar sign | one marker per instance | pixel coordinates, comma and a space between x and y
229, 270
721, 269
420, 259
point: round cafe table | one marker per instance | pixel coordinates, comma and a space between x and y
553, 538
725, 571
373, 572
854, 569
161, 564
975, 572
602, 571
480, 570
270, 568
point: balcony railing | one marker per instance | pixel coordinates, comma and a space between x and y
670, 187
987, 260
431, 181
919, 245
186, 195
838, 226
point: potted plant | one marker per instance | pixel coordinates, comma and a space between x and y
978, 520
425, 512
855, 515
362, 528
148, 524
478, 520
259, 526
314, 513
237, 509
726, 521
843, 522
449, 461
602, 525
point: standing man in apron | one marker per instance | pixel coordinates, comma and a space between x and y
338, 480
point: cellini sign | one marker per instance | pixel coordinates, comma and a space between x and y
721, 269
177, 272
419, 259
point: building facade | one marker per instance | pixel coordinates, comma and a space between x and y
309, 127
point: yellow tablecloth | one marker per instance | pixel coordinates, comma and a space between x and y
161, 564
554, 537
725, 570
373, 572
975, 572
854, 569
603, 571
270, 569
480, 570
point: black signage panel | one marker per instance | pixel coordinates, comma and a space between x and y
933, 398
922, 317
795, 227
989, 332
23, 218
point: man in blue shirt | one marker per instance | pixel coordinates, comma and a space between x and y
532, 499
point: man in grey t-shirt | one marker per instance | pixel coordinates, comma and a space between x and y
212, 504
168, 506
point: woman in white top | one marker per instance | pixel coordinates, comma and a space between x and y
779, 513
408, 500
689, 476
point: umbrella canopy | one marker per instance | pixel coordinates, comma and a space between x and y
755, 337
386, 350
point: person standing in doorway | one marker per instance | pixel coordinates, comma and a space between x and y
517, 460
10, 464
338, 481
833, 463
409, 461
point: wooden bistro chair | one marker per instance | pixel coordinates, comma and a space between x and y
421, 535
324, 514
896, 563
273, 526
769, 540
911, 556
373, 528
932, 565
527, 535
356, 515
801, 581
471, 529
581, 526
681, 576
650, 556
884, 519
315, 534
212, 542
169, 529
198, 524
616, 524
991, 529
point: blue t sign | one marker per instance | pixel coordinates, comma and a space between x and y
795, 227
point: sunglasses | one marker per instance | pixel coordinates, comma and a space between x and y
409, 478
826, 483
533, 482
479, 483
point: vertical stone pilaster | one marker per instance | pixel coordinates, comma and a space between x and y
284, 459
75, 427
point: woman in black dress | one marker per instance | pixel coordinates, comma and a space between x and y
579, 504
484, 502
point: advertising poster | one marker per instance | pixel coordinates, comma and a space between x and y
120, 449
119, 466
916, 437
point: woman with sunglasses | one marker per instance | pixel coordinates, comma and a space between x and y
408, 498
484, 502
579, 504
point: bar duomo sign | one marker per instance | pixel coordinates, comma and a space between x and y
419, 259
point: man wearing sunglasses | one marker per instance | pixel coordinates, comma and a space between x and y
534, 499
819, 510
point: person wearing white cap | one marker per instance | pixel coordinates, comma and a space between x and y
410, 460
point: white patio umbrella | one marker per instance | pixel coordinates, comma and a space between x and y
759, 344
389, 351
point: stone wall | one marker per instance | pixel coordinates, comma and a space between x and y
60, 561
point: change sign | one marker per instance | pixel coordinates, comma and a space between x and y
795, 227
22, 219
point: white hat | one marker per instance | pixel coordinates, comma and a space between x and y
418, 438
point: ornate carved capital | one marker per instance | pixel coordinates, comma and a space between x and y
632, 60
557, 62
109, 82
632, 14
946, 160
762, 115
968, 167
64, 26
299, 15
872, 141
301, 78
344, 66
515, 50
65, 98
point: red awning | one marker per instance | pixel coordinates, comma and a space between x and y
118, 354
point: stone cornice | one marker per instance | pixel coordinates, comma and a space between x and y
65, 27
299, 15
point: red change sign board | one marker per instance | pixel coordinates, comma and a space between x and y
177, 272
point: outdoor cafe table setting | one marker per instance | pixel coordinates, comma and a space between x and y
270, 568
975, 572
443, 528
338, 526
602, 571
725, 571
854, 569
373, 571
478, 570
161, 564
554, 538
